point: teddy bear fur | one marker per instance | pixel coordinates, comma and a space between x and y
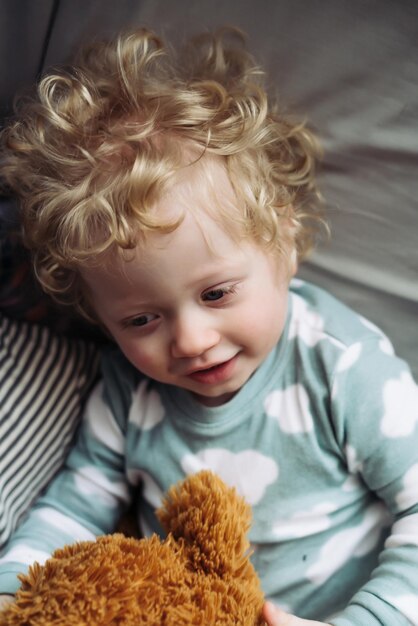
199, 575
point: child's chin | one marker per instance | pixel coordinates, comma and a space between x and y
216, 400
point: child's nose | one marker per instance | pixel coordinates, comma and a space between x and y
192, 337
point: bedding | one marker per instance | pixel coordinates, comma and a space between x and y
44, 379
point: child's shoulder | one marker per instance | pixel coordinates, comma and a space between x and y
316, 314
120, 379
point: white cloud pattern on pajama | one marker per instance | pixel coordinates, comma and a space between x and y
249, 471
64, 523
404, 532
349, 357
101, 422
400, 398
304, 523
408, 496
312, 328
146, 409
351, 542
25, 554
290, 407
152, 493
406, 604
384, 343
91, 482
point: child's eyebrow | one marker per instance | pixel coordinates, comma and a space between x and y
224, 273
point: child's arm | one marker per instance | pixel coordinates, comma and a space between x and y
375, 418
86, 498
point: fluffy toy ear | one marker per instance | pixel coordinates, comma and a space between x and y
212, 520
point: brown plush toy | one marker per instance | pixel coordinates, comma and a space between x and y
199, 575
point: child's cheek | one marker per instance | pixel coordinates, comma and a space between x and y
144, 359
265, 316
264, 323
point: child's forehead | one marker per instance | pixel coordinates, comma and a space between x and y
200, 188
201, 184
198, 239
199, 248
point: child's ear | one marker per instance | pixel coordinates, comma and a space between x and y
293, 262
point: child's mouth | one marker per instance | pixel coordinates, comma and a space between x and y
216, 373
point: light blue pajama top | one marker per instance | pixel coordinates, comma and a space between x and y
322, 441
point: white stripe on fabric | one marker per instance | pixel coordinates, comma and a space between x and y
43, 382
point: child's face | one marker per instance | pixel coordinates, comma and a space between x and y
194, 308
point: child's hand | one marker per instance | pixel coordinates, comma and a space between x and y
276, 617
5, 599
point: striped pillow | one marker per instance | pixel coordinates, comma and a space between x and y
44, 379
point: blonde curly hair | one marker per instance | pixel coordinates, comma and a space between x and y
92, 152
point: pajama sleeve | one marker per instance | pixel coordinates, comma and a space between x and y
85, 499
374, 405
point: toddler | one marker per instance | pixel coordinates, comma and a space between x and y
168, 201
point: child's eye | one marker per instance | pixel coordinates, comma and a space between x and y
142, 320
212, 295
